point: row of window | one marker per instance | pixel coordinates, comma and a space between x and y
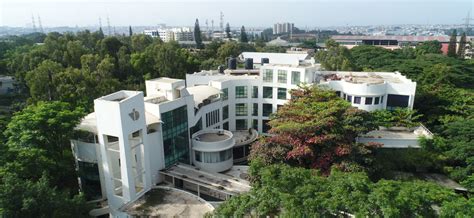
212, 118
241, 109
242, 92
213, 157
362, 100
282, 76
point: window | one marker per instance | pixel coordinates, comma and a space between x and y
344, 95
265, 126
295, 77
241, 92
357, 100
216, 157
368, 100
267, 109
212, 118
282, 76
197, 156
349, 98
376, 100
175, 136
255, 92
255, 109
268, 75
282, 93
255, 124
338, 93
394, 101
267, 92
241, 109
381, 99
241, 124
225, 94
225, 112
225, 126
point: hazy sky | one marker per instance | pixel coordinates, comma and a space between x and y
244, 12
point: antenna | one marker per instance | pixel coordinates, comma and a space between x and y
108, 25
212, 25
40, 25
221, 24
100, 22
33, 22
207, 25
468, 20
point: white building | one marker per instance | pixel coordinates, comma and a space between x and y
279, 28
170, 34
132, 142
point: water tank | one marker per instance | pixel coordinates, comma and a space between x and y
232, 64
248, 63
220, 68
265, 61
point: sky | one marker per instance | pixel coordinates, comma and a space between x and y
256, 13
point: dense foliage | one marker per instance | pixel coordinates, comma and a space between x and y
297, 192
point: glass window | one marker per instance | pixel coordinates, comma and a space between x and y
225, 126
295, 77
357, 100
267, 109
282, 76
225, 112
267, 92
241, 124
197, 155
349, 98
255, 124
377, 100
368, 100
381, 99
338, 93
265, 126
255, 109
241, 109
241, 92
175, 136
282, 93
268, 75
225, 94
255, 92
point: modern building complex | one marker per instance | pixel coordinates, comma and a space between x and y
280, 28
172, 34
206, 123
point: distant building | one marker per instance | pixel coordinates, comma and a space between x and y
280, 28
172, 34
391, 42
7, 85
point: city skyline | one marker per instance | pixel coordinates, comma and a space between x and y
303, 13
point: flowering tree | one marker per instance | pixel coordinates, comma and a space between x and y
316, 129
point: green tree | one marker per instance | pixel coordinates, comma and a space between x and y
197, 35
462, 46
336, 57
227, 31
40, 81
452, 44
427, 47
130, 33
140, 42
317, 129
243, 35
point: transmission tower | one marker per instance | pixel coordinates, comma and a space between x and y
33, 22
467, 24
221, 24
108, 26
40, 25
212, 25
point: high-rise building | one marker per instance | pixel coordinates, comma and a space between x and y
280, 28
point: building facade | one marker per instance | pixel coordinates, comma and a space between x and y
207, 120
172, 34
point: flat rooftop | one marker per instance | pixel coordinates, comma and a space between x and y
398, 134
165, 80
166, 202
232, 183
364, 77
212, 137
